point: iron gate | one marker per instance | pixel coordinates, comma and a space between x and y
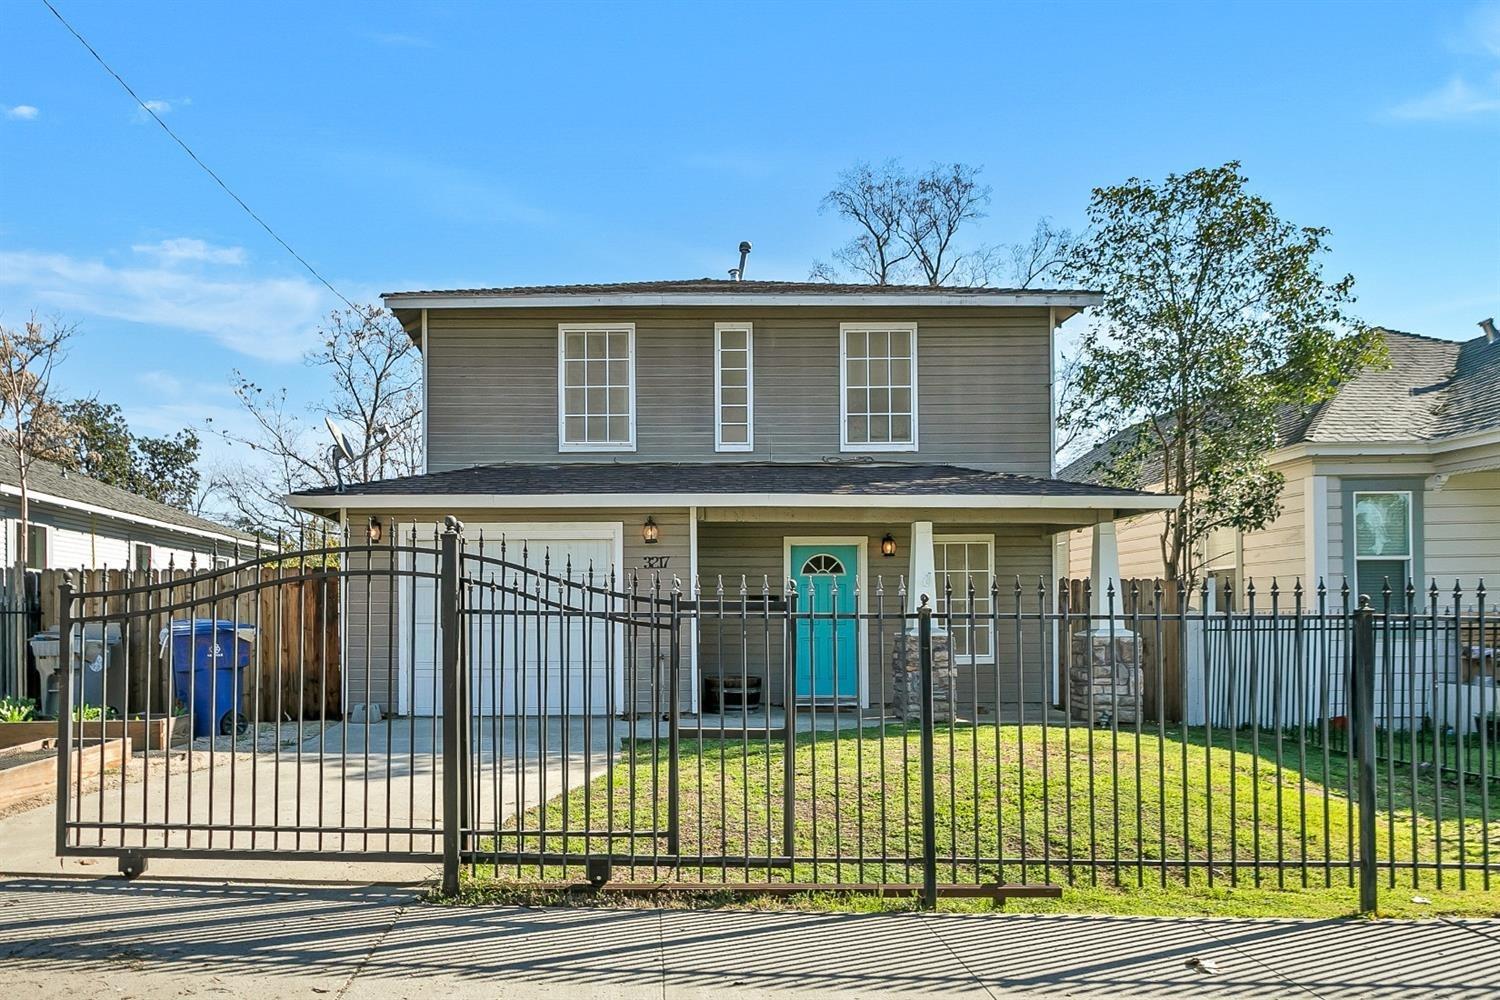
1003, 739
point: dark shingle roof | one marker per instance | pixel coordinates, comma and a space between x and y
700, 286
1433, 389
855, 479
53, 480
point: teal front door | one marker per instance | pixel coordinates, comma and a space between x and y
828, 642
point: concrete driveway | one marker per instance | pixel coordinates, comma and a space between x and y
341, 790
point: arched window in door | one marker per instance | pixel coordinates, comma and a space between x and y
823, 564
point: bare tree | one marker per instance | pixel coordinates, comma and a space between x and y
33, 425
877, 202
908, 225
937, 205
375, 396
1040, 257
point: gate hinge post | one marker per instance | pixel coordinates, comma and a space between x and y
453, 756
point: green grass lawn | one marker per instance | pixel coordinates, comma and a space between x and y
1178, 824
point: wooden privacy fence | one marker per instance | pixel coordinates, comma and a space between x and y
1136, 606
296, 623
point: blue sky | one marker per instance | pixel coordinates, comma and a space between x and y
444, 145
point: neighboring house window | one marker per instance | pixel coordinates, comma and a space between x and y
596, 387
37, 551
734, 387
1382, 547
958, 561
143, 557
878, 382
221, 562
1220, 563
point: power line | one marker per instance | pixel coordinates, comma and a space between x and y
194, 156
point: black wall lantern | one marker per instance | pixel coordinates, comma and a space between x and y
888, 545
375, 531
650, 533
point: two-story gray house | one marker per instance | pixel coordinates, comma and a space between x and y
781, 432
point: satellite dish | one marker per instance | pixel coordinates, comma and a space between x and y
339, 453
340, 443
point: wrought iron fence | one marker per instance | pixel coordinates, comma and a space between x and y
584, 722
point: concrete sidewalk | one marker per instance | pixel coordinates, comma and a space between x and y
67, 937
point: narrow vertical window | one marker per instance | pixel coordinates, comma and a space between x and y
596, 387
878, 386
734, 387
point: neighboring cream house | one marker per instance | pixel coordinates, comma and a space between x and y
1396, 477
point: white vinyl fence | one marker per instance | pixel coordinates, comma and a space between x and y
1280, 671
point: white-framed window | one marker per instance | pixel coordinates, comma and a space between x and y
958, 562
734, 387
878, 386
141, 556
596, 387
1383, 546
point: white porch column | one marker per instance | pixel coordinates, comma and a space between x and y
1106, 567
923, 576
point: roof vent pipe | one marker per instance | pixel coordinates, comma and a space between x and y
1490, 333
734, 274
739, 272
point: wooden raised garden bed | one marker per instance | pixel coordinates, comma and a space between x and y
150, 734
29, 771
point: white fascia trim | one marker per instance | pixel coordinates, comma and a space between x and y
1363, 449
654, 299
120, 515
485, 501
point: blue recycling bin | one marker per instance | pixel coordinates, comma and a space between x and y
208, 658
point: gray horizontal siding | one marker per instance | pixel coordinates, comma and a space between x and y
757, 550
983, 387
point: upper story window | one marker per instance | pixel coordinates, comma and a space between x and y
878, 386
734, 387
596, 387
1383, 546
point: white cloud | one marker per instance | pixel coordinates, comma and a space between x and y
1454, 100
1482, 30
162, 106
269, 318
22, 113
186, 248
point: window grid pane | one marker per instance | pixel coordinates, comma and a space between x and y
956, 564
733, 353
597, 391
878, 387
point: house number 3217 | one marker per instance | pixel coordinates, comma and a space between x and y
655, 562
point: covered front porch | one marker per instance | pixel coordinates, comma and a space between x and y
798, 585
817, 607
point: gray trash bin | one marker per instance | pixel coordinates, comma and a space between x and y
95, 645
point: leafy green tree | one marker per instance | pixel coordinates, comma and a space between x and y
102, 446
1217, 321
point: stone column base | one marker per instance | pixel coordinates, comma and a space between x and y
1105, 679
906, 678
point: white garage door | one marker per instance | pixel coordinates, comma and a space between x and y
558, 661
